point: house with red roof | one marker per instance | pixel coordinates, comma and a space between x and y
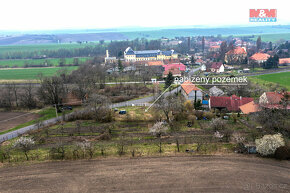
178, 66
174, 71
274, 99
237, 54
191, 92
217, 67
231, 103
155, 63
284, 61
259, 57
214, 48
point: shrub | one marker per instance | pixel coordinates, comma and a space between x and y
191, 118
282, 153
198, 114
218, 124
209, 115
268, 144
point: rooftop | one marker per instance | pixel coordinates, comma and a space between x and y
188, 87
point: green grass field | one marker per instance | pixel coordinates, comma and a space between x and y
283, 79
52, 61
31, 73
273, 37
37, 47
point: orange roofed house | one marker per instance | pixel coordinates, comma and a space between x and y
236, 55
191, 92
259, 58
250, 107
284, 61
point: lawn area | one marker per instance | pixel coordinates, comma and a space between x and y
30, 73
283, 79
34, 62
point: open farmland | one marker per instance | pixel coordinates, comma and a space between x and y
283, 79
11, 119
31, 73
155, 174
38, 47
35, 62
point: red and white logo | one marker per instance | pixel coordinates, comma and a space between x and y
263, 15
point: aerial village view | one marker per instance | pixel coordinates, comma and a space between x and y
101, 97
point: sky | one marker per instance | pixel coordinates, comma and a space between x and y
21, 15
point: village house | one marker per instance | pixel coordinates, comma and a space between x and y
178, 66
217, 67
230, 104
191, 92
203, 67
214, 48
236, 55
259, 58
174, 71
250, 107
273, 99
284, 61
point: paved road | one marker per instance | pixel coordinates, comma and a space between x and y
192, 71
52, 121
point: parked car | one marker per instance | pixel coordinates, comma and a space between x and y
66, 108
122, 112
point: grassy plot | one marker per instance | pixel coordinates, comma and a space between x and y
272, 37
283, 79
31, 73
35, 62
38, 47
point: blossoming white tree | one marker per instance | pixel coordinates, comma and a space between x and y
158, 129
268, 144
25, 144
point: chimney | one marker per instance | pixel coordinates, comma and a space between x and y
107, 53
240, 97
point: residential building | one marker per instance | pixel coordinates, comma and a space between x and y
178, 66
203, 67
236, 55
284, 61
175, 72
274, 99
231, 103
145, 55
191, 92
259, 58
217, 67
214, 48
250, 107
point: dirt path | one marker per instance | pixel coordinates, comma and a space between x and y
163, 174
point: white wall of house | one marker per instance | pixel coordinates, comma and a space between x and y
191, 95
221, 69
263, 99
203, 67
